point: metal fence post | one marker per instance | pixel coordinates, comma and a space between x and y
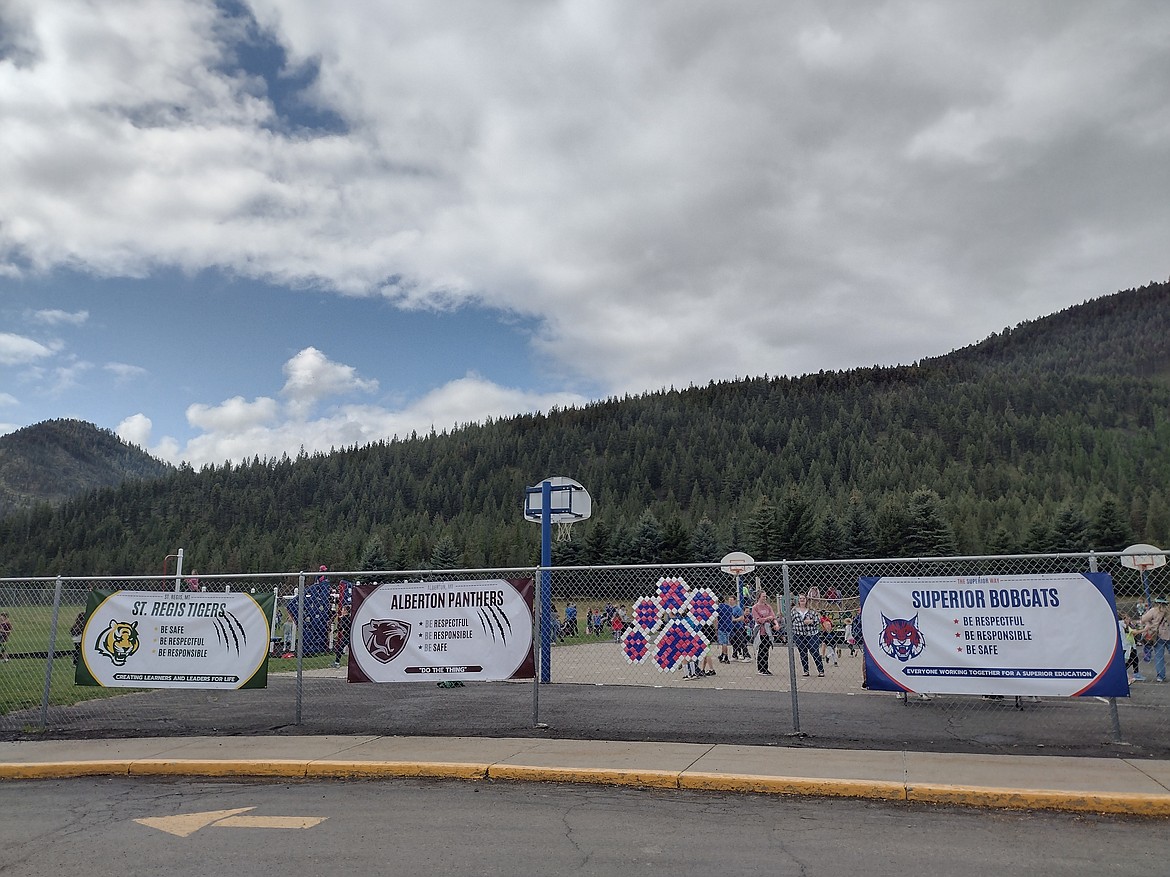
300, 643
787, 601
49, 655
1114, 716
537, 656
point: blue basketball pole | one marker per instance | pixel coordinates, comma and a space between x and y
545, 581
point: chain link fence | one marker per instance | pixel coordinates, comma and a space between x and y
589, 682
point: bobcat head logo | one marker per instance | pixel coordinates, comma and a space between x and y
118, 641
385, 638
901, 638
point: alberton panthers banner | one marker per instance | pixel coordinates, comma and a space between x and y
1051, 634
166, 639
427, 631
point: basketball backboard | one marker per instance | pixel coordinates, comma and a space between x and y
1143, 557
569, 502
737, 563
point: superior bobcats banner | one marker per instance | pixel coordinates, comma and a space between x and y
144, 639
1052, 634
423, 631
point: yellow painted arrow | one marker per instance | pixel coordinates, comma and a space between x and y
186, 824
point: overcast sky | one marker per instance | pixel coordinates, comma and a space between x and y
247, 227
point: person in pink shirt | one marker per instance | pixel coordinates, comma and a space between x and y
765, 619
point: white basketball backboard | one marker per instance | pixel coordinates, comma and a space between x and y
569, 502
1142, 556
737, 563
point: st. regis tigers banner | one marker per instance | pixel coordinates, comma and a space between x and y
170, 639
1052, 634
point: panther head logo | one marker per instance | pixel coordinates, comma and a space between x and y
385, 638
118, 641
901, 638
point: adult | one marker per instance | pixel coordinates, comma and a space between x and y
765, 619
341, 636
1156, 627
806, 634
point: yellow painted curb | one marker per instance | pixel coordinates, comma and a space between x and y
657, 779
821, 787
447, 770
293, 768
1128, 804
49, 770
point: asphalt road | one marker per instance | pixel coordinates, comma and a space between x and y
143, 828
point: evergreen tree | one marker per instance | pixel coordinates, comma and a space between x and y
598, 549
647, 540
567, 552
797, 528
1003, 541
891, 528
1070, 532
445, 555
831, 538
859, 541
704, 543
928, 533
374, 555
1110, 531
735, 538
763, 531
676, 542
1039, 539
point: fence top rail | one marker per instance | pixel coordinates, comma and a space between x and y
1084, 556
254, 576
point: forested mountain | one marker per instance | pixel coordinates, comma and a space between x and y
52, 461
1052, 435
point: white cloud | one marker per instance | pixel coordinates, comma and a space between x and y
240, 430
234, 416
53, 317
135, 430
17, 349
124, 371
312, 376
8, 399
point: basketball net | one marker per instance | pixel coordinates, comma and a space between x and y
564, 531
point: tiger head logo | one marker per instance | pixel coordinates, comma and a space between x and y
118, 641
385, 638
901, 638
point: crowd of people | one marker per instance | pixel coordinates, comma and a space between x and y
820, 633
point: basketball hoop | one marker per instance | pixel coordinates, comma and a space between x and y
564, 531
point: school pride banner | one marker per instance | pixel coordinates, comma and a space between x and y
427, 631
1053, 634
144, 639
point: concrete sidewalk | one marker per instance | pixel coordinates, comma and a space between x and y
1097, 785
